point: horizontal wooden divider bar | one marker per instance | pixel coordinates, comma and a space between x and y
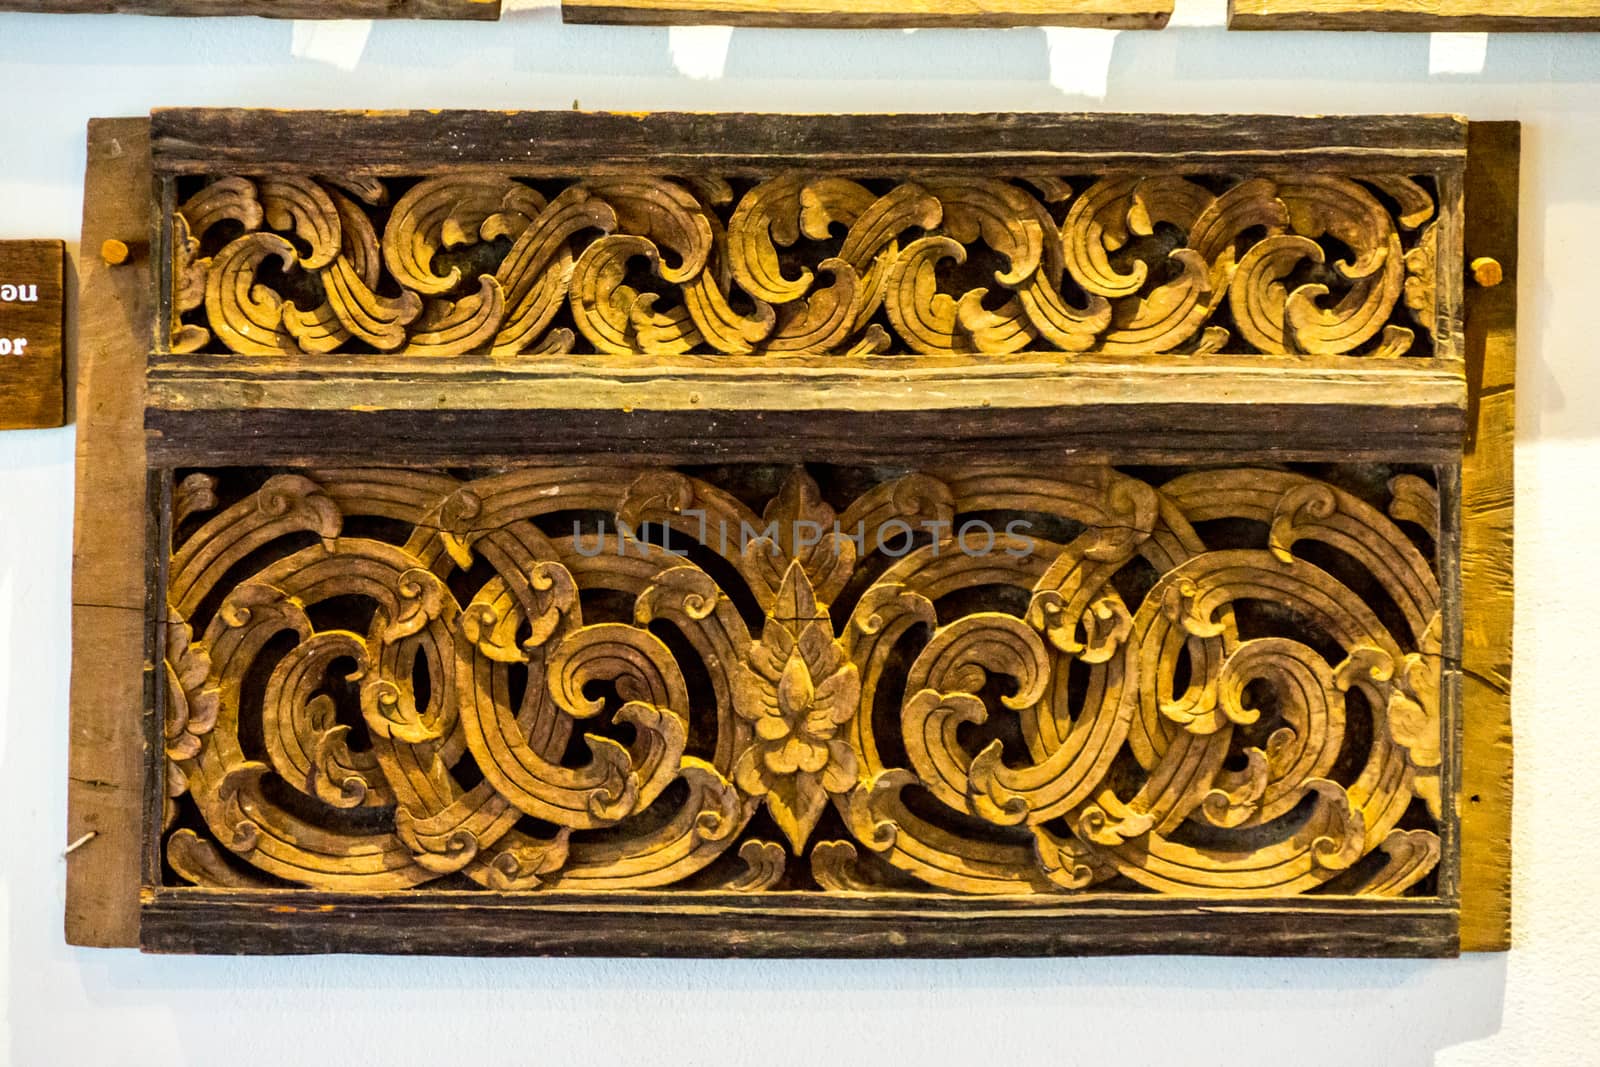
204, 410
785, 925
1099, 435
734, 383
208, 141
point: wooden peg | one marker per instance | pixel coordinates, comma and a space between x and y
1486, 272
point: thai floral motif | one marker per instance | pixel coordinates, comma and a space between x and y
797, 689
1021, 679
1121, 264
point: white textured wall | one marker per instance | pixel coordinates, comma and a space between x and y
1537, 1004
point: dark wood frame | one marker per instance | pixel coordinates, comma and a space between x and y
717, 925
194, 413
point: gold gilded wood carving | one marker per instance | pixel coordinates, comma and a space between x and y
1409, 16
811, 14
1117, 265
988, 680
405, 694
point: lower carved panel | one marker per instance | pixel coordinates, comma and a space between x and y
987, 680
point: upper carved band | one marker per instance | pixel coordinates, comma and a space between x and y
1123, 265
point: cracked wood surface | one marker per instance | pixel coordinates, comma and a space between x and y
1487, 497
105, 794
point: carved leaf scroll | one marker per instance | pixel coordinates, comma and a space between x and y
1123, 264
990, 680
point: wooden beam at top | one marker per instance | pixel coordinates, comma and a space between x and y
532, 143
1416, 16
869, 14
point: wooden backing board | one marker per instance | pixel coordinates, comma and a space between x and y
1416, 16
479, 10
867, 14
1487, 492
109, 689
105, 791
32, 303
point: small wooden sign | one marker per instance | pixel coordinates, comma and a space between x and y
31, 313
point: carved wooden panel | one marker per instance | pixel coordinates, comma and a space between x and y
808, 265
1490, 16
813, 14
989, 680
690, 534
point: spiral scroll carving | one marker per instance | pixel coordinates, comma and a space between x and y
988, 680
1117, 264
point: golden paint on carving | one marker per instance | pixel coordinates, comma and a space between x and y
989, 680
1121, 264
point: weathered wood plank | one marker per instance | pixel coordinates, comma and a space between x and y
1487, 484
105, 790
870, 383
308, 410
1424, 397
199, 141
1447, 560
1415, 16
274, 9
785, 925
1123, 434
867, 14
